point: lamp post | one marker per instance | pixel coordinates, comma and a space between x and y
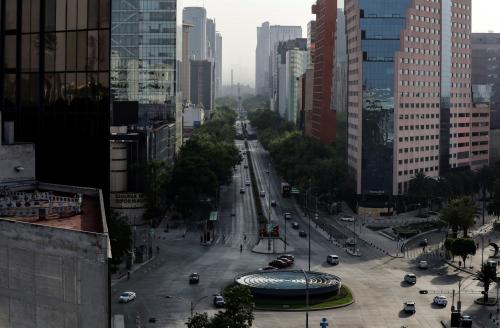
307, 298
192, 305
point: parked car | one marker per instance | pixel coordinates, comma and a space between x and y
350, 242
268, 268
219, 301
126, 297
423, 265
409, 307
295, 225
278, 264
411, 278
194, 278
347, 219
287, 256
288, 216
242, 190
441, 300
332, 259
262, 193
302, 234
273, 203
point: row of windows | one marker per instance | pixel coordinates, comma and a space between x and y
429, 9
418, 160
481, 124
422, 51
416, 149
419, 83
460, 85
461, 35
419, 61
427, 169
461, 75
419, 94
480, 143
417, 116
422, 40
461, 6
460, 45
425, 30
419, 105
418, 72
480, 114
461, 16
480, 134
461, 26
418, 127
417, 138
460, 65
460, 55
425, 19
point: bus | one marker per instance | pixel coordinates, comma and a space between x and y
286, 189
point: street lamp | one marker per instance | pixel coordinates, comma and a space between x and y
307, 298
192, 305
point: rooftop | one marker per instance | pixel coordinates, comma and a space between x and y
57, 206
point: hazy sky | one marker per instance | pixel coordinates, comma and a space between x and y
237, 20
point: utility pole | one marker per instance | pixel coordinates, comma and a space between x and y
309, 222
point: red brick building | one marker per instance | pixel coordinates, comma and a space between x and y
323, 119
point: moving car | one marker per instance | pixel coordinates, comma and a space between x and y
219, 301
247, 182
441, 300
347, 219
424, 242
268, 268
423, 265
278, 264
288, 216
411, 278
295, 225
302, 234
332, 259
273, 203
242, 190
245, 166
262, 193
126, 297
409, 307
286, 260
194, 278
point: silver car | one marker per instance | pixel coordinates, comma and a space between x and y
126, 297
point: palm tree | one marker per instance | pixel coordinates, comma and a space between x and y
421, 188
460, 214
486, 276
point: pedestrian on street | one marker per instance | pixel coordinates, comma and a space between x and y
157, 249
241, 248
128, 275
244, 237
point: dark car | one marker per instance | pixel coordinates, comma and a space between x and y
295, 225
273, 203
288, 216
219, 301
302, 234
284, 259
268, 268
194, 278
424, 242
278, 264
287, 256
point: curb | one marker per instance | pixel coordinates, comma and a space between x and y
124, 277
303, 310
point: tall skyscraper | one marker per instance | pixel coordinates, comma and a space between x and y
323, 123
486, 71
211, 39
185, 74
262, 53
339, 99
54, 86
202, 92
197, 16
409, 86
218, 64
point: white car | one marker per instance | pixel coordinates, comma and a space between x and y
332, 259
347, 219
247, 182
409, 307
441, 300
423, 265
126, 297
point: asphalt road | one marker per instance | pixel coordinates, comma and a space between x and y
376, 281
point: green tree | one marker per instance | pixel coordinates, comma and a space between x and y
199, 320
460, 213
120, 237
486, 276
463, 247
239, 307
422, 188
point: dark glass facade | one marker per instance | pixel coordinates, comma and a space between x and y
54, 75
446, 50
381, 24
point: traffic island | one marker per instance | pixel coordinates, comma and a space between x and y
287, 290
271, 246
490, 302
342, 299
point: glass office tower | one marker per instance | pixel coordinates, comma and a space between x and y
54, 85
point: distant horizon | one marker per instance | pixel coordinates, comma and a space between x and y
238, 26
